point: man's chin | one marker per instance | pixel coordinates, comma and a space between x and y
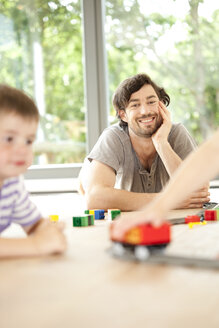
149, 133
147, 136
145, 133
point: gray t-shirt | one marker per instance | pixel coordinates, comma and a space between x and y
114, 149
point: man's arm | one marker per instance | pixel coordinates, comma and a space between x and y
43, 238
195, 171
172, 161
100, 191
168, 156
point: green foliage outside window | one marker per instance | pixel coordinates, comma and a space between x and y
188, 70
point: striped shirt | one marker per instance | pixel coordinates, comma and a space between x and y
15, 204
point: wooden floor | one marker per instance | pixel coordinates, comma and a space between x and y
87, 287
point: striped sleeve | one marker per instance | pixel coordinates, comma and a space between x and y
24, 211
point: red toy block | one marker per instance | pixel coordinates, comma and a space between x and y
192, 218
210, 215
148, 235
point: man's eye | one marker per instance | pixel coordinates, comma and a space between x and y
29, 142
152, 102
134, 105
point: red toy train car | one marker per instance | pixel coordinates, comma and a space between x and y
147, 234
142, 241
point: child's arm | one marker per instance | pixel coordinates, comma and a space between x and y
201, 166
43, 238
196, 170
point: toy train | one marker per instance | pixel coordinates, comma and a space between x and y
142, 241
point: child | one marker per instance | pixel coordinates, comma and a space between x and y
18, 126
197, 169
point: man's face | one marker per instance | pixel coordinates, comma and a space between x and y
16, 138
142, 113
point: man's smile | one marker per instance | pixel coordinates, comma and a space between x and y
147, 120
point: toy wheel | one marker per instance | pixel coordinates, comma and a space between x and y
141, 253
118, 249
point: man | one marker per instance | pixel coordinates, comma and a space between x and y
133, 160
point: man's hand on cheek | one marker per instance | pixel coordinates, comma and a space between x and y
161, 135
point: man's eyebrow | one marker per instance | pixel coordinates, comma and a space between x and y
137, 99
133, 100
152, 96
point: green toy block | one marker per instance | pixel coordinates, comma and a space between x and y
90, 219
80, 221
76, 221
113, 213
83, 221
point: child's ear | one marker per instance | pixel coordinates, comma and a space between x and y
122, 115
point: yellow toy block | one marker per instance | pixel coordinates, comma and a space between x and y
192, 224
53, 218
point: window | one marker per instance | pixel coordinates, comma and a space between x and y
54, 50
41, 53
176, 43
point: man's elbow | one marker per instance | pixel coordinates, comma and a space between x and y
92, 199
95, 198
80, 188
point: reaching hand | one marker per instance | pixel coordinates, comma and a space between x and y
161, 135
197, 199
129, 220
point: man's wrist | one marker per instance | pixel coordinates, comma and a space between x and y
162, 145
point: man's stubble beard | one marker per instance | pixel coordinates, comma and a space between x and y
146, 135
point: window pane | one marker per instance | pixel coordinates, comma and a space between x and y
176, 43
41, 53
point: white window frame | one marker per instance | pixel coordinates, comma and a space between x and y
96, 90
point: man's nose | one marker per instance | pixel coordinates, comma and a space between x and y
144, 109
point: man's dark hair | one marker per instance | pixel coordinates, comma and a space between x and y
124, 91
16, 101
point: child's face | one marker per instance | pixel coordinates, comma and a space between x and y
16, 138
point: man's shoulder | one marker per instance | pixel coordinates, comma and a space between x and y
179, 135
117, 130
178, 128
